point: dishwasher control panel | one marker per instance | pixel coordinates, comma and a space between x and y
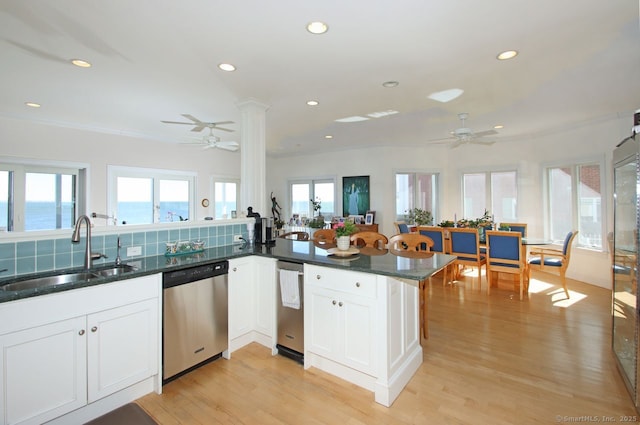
192, 274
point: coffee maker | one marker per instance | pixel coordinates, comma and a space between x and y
266, 231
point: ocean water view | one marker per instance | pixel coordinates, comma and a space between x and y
42, 215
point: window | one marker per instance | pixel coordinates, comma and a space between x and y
303, 191
144, 196
225, 195
574, 201
416, 190
39, 197
494, 191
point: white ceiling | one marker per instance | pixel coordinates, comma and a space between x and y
154, 60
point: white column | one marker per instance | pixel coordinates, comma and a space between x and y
253, 171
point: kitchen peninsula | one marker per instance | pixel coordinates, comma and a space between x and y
361, 316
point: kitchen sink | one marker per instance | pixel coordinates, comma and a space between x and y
113, 270
42, 282
61, 279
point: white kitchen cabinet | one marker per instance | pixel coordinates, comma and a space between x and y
251, 302
70, 350
122, 347
43, 371
342, 327
363, 328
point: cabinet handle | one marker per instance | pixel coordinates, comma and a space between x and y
340, 304
357, 284
235, 269
81, 332
318, 276
93, 329
333, 302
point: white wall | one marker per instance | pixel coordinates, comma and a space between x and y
595, 140
22, 139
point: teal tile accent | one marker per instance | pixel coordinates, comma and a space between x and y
151, 237
63, 245
7, 251
62, 260
45, 247
185, 235
204, 233
138, 239
163, 236
174, 235
97, 244
10, 265
151, 249
44, 263
26, 265
26, 249
213, 231
111, 243
126, 239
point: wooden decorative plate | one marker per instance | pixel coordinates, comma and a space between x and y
340, 253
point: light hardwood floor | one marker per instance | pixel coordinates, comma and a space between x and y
488, 360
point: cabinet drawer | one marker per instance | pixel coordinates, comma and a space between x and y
362, 284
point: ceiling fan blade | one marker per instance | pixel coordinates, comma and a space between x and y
192, 118
198, 128
231, 148
485, 133
482, 142
177, 122
456, 143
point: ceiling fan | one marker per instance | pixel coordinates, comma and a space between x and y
211, 141
463, 134
201, 125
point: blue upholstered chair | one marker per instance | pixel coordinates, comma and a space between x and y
465, 244
516, 227
401, 227
505, 255
436, 234
553, 260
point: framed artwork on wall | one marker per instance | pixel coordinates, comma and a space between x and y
355, 195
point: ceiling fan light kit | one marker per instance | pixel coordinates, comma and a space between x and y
211, 140
464, 134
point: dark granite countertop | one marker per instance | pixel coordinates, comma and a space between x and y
368, 261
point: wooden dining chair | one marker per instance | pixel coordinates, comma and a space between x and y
505, 255
415, 244
436, 234
325, 236
297, 236
516, 227
465, 245
369, 239
401, 227
553, 260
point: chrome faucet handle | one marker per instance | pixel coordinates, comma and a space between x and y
118, 246
97, 255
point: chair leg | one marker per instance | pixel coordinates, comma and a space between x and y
564, 284
521, 285
489, 280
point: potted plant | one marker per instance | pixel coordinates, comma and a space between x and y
344, 230
420, 217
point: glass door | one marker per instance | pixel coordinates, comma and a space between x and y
624, 254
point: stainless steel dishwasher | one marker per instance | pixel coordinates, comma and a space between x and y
195, 317
290, 341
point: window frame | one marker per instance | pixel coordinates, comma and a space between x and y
573, 164
20, 167
488, 173
115, 171
437, 196
312, 182
223, 179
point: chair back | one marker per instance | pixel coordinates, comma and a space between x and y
325, 236
465, 242
369, 239
504, 249
401, 227
297, 236
516, 227
436, 234
566, 246
410, 242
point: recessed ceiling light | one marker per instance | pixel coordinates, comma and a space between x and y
313, 102
328, 136
81, 63
507, 54
498, 126
445, 96
227, 67
32, 104
317, 27
390, 84
355, 118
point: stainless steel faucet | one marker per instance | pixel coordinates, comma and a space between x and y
118, 259
75, 238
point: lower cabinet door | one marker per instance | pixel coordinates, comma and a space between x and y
122, 347
44, 372
358, 316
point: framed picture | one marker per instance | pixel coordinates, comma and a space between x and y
234, 214
368, 219
355, 195
373, 216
